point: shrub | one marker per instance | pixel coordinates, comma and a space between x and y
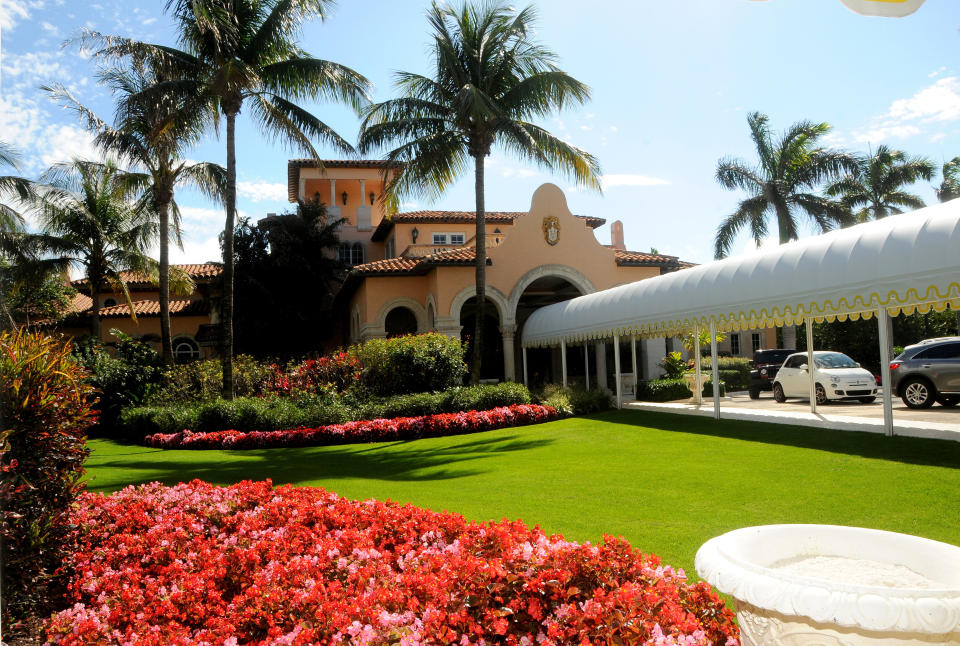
663, 390
674, 365
338, 372
735, 371
46, 407
411, 364
594, 400
251, 563
199, 381
555, 396
376, 430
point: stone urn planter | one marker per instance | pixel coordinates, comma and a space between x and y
826, 585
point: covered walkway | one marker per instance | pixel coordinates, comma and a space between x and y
879, 269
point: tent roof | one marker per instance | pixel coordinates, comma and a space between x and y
903, 262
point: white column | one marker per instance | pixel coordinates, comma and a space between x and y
563, 360
601, 349
586, 363
698, 379
633, 357
303, 188
654, 350
333, 192
525, 383
883, 319
714, 370
509, 371
616, 368
811, 367
363, 192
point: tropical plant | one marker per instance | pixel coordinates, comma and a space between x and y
700, 341
790, 168
490, 80
949, 188
12, 246
153, 135
874, 189
238, 52
90, 221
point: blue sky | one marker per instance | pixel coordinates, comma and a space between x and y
672, 84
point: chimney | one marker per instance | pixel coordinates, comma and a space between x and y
616, 236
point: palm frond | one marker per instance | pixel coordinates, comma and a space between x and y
300, 78
750, 213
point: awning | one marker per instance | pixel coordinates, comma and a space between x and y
903, 262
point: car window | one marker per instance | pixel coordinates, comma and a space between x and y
945, 351
794, 362
834, 360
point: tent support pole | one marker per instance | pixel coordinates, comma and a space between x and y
586, 363
633, 357
811, 367
883, 318
698, 375
714, 370
525, 366
616, 367
563, 360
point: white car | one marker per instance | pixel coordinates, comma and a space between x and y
837, 376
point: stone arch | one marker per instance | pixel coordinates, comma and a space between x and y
569, 274
431, 313
494, 296
403, 301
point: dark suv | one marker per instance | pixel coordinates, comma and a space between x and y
764, 368
928, 372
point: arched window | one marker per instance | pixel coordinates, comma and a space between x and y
185, 349
110, 302
356, 257
345, 253
400, 321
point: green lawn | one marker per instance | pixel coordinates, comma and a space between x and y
665, 482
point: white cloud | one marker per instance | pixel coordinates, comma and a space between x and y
938, 102
611, 181
940, 136
197, 251
937, 72
60, 143
263, 191
886, 131
51, 29
12, 11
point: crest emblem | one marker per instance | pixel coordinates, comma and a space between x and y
551, 229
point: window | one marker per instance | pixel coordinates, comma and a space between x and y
185, 349
457, 238
735, 345
755, 341
449, 238
110, 302
389, 251
356, 254
796, 361
439, 238
945, 351
344, 254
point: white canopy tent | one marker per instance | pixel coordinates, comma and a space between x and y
899, 264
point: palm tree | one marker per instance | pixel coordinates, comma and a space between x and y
949, 188
789, 169
11, 222
153, 135
236, 53
874, 189
88, 219
490, 79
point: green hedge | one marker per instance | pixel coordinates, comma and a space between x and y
411, 364
662, 390
278, 413
734, 371
574, 401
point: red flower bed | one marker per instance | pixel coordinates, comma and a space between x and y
376, 430
253, 565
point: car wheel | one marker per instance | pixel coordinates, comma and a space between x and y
778, 395
917, 393
948, 401
867, 400
821, 394
754, 393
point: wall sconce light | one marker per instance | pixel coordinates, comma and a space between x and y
344, 198
372, 197
415, 234
316, 197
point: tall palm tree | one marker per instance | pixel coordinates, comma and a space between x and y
89, 220
874, 189
949, 188
790, 168
11, 222
243, 52
154, 136
490, 80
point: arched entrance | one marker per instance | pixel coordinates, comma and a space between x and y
400, 321
544, 365
491, 361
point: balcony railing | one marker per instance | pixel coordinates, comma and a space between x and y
421, 250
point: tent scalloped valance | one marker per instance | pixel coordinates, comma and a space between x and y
905, 263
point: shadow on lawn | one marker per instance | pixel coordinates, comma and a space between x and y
910, 450
396, 461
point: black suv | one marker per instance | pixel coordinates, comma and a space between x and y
765, 365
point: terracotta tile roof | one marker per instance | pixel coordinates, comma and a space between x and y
494, 217
149, 308
388, 266
80, 303
198, 271
294, 166
461, 256
628, 258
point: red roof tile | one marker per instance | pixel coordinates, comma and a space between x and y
149, 308
139, 279
388, 266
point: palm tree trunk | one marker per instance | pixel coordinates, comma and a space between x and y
481, 246
226, 302
8, 317
95, 310
166, 344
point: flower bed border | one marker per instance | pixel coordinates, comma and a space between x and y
376, 430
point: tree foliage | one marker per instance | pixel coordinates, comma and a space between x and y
875, 189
